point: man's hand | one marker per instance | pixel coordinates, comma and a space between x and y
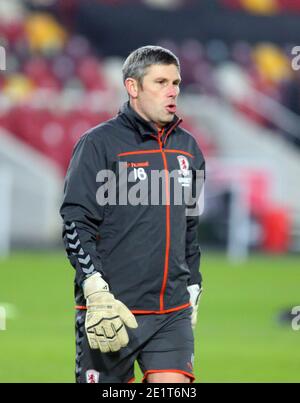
195, 292
106, 317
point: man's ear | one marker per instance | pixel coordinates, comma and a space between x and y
132, 87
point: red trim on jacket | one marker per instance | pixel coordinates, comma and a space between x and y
178, 371
168, 240
140, 312
178, 308
166, 150
171, 129
138, 152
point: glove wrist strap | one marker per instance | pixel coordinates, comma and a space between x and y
94, 284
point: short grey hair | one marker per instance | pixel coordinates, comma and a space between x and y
136, 64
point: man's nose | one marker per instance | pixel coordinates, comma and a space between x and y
172, 91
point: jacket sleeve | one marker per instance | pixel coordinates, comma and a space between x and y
192, 248
80, 212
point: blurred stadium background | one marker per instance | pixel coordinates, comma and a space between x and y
60, 74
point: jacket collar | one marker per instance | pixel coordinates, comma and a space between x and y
141, 125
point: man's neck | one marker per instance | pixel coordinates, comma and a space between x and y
134, 107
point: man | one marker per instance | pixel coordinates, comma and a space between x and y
137, 279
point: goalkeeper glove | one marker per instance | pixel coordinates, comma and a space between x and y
195, 292
106, 317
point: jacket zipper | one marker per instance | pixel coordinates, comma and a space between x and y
168, 221
167, 250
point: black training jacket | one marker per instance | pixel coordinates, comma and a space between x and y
147, 253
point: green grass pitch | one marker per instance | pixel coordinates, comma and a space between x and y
238, 337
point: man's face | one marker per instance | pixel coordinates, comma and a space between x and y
156, 99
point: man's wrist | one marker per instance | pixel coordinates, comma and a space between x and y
94, 284
195, 292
